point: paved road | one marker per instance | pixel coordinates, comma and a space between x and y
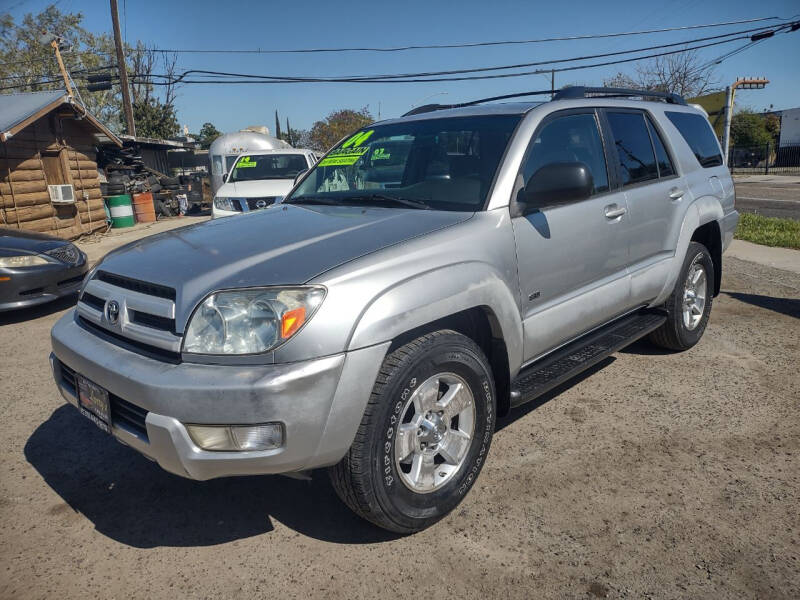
655, 476
771, 197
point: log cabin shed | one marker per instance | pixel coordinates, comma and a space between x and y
48, 142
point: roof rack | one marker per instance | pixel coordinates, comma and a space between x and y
567, 93
573, 92
432, 107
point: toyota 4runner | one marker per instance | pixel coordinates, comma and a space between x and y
426, 276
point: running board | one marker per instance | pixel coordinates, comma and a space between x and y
581, 354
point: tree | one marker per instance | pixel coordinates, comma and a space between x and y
28, 65
155, 119
336, 125
208, 133
749, 128
277, 126
684, 74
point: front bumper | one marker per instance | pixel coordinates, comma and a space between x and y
320, 402
36, 285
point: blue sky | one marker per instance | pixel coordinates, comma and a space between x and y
310, 23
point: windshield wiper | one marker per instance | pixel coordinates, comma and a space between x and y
409, 202
359, 199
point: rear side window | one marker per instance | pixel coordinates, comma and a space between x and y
571, 138
665, 168
696, 130
635, 156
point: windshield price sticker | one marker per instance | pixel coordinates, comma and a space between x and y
349, 152
343, 156
246, 162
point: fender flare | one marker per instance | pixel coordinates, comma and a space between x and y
703, 210
437, 294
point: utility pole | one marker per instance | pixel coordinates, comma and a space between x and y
123, 72
552, 83
745, 83
54, 44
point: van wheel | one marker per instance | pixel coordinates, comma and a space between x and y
424, 436
689, 305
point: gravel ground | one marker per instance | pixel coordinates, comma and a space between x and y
655, 476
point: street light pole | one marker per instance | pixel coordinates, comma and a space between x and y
123, 71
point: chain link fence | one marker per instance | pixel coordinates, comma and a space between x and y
768, 159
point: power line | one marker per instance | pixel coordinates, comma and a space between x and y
434, 76
465, 45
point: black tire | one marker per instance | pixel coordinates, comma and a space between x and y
169, 181
367, 479
115, 189
674, 334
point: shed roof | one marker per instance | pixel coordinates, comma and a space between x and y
19, 110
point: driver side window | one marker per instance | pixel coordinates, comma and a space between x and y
569, 139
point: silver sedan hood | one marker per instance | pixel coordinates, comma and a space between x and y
283, 244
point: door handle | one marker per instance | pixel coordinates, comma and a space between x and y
676, 193
613, 211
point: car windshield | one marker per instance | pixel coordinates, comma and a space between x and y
251, 167
442, 164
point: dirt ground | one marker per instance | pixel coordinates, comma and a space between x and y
655, 476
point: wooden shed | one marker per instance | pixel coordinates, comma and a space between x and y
49, 139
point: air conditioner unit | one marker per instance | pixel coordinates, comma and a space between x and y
61, 194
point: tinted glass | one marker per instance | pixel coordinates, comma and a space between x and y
635, 152
252, 167
572, 138
697, 132
665, 168
447, 163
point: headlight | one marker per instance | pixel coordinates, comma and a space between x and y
27, 260
223, 203
250, 321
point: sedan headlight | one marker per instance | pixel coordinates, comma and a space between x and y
223, 203
26, 260
250, 321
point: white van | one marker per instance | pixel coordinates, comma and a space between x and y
259, 179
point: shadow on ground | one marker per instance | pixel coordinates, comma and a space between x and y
42, 310
135, 502
786, 306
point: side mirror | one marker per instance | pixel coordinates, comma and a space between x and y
557, 183
225, 178
299, 175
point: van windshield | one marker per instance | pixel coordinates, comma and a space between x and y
443, 164
251, 167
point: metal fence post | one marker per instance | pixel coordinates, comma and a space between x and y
766, 158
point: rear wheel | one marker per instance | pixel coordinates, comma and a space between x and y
689, 305
424, 435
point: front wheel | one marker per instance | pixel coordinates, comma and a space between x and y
689, 305
424, 435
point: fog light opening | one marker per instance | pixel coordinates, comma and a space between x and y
237, 438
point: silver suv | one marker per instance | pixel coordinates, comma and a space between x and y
423, 278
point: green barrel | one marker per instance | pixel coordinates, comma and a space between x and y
121, 211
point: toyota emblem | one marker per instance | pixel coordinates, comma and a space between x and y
112, 312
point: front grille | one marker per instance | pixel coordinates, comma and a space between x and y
127, 310
153, 321
252, 203
151, 289
123, 414
128, 416
146, 349
67, 253
93, 301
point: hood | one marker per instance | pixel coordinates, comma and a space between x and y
19, 240
256, 189
280, 245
